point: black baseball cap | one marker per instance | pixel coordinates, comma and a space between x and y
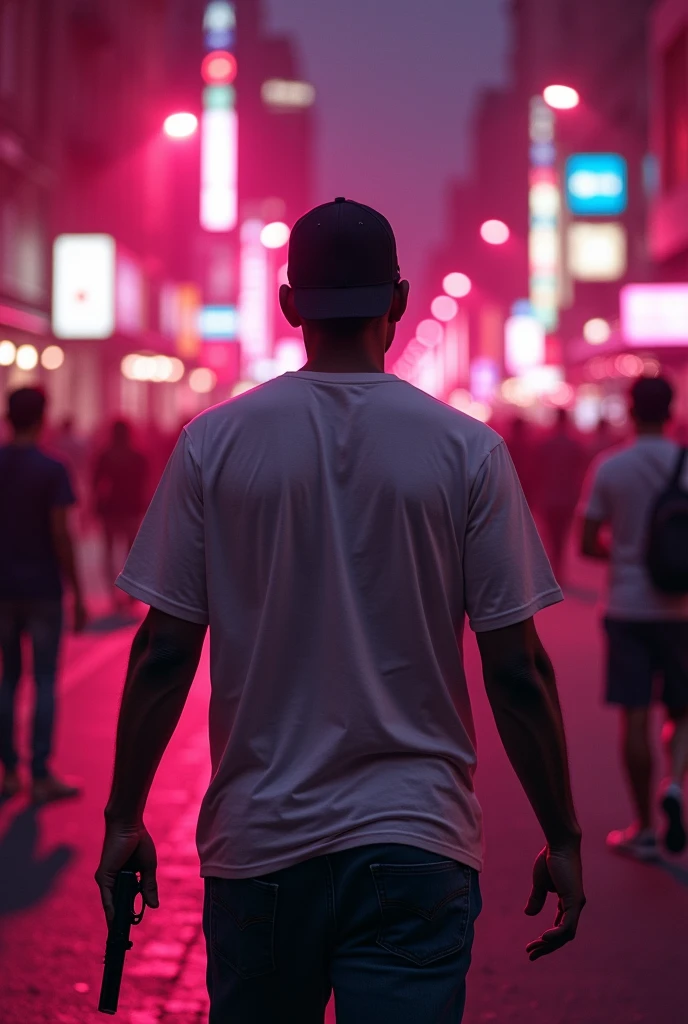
342, 262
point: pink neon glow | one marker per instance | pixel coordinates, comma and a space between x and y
180, 126
444, 308
219, 150
429, 332
655, 313
562, 396
219, 68
495, 232
255, 289
561, 97
457, 285
275, 235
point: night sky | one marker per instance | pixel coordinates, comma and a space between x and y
396, 80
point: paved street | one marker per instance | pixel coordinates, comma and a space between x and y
627, 967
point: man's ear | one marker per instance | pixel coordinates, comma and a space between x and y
288, 306
399, 301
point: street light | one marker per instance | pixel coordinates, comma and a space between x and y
181, 125
495, 232
561, 97
457, 285
275, 235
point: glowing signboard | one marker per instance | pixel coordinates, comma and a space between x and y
219, 126
218, 323
544, 202
84, 271
655, 314
597, 184
524, 344
597, 252
253, 298
283, 94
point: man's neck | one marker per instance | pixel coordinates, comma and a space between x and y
650, 430
25, 439
320, 364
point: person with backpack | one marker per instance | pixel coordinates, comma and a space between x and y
640, 495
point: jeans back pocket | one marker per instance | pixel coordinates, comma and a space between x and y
242, 924
424, 908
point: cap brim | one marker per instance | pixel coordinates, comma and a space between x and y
342, 303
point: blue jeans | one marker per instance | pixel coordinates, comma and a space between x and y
42, 622
389, 928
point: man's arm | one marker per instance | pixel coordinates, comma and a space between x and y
522, 691
162, 665
592, 543
64, 548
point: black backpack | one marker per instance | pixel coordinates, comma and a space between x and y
667, 542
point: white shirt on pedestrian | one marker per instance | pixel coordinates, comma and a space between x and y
622, 489
334, 529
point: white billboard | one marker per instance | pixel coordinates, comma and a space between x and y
84, 270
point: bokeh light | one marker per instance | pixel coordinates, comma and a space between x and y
202, 380
275, 235
27, 357
219, 68
495, 232
597, 331
457, 285
430, 333
562, 396
444, 308
181, 125
629, 365
52, 357
561, 97
8, 352
242, 386
461, 399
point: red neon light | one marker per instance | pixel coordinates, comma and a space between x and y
219, 68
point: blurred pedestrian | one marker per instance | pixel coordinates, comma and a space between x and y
602, 439
36, 557
120, 482
561, 463
333, 527
522, 449
647, 630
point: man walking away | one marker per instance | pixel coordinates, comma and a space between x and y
36, 554
561, 465
120, 481
333, 527
647, 630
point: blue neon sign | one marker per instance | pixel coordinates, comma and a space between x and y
597, 184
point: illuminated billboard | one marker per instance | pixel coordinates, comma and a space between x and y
84, 296
524, 344
597, 184
219, 126
655, 314
597, 252
544, 203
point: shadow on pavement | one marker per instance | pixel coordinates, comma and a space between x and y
677, 871
27, 878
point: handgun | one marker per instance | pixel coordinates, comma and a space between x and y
127, 888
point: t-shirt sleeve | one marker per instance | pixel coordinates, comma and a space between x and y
595, 503
166, 568
62, 493
507, 575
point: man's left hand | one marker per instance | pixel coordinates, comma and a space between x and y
132, 846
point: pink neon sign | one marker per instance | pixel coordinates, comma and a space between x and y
655, 314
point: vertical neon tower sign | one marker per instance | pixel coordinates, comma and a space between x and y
219, 126
544, 200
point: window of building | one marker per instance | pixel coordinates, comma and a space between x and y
675, 75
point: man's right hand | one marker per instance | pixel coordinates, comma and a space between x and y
559, 871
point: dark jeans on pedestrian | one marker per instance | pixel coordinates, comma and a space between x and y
388, 927
41, 621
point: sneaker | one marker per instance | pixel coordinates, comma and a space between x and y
672, 804
631, 842
50, 788
11, 785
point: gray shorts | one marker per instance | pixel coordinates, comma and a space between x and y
646, 662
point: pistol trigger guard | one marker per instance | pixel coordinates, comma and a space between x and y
137, 918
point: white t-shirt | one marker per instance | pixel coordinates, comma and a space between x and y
333, 529
622, 487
